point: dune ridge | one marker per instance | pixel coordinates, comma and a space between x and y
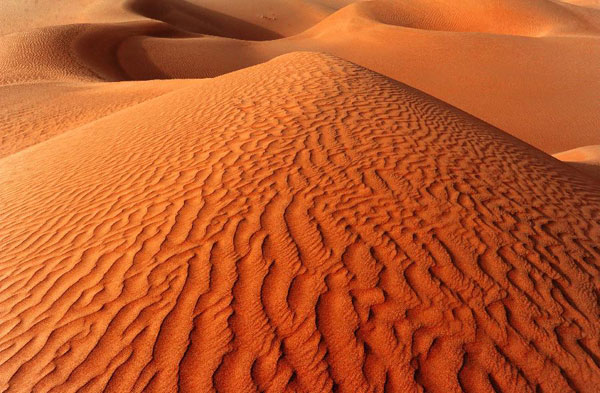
300, 225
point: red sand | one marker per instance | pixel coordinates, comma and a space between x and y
302, 224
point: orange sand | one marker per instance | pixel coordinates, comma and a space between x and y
586, 159
296, 222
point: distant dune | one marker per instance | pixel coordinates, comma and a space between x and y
586, 159
299, 196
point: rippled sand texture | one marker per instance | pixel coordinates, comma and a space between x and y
303, 225
296, 216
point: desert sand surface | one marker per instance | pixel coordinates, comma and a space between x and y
302, 196
586, 158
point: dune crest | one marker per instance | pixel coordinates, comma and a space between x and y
301, 225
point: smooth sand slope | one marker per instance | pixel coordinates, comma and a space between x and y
283, 18
32, 113
304, 225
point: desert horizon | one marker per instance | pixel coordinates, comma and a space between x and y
300, 196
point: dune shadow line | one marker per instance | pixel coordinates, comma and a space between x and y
196, 19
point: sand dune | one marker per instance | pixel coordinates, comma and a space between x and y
197, 19
586, 159
302, 225
234, 196
513, 17
285, 18
33, 113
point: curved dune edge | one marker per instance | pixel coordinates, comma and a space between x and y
283, 18
585, 158
510, 17
301, 225
201, 20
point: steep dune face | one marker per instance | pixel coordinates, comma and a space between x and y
285, 18
302, 225
194, 18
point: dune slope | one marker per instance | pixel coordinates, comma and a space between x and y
303, 225
33, 113
585, 158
